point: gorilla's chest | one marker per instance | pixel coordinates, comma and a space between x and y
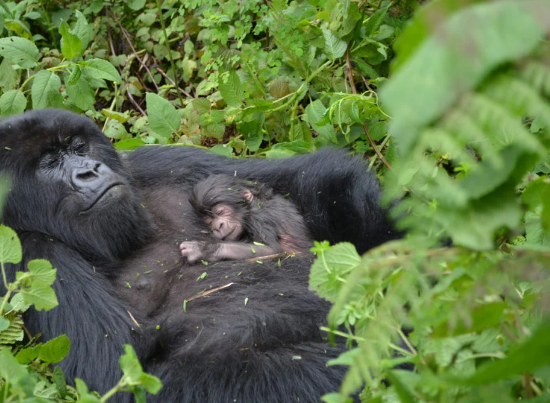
145, 278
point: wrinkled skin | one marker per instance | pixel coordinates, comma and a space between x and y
111, 226
225, 224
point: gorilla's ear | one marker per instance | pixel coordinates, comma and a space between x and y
247, 194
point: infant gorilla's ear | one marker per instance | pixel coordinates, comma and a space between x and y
248, 195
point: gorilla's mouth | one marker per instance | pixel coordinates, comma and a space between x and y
102, 195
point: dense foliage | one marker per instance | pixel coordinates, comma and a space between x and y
459, 134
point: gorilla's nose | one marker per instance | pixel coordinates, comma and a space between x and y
91, 176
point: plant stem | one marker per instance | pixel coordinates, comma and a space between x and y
6, 297
162, 23
295, 99
112, 391
5, 301
49, 24
365, 128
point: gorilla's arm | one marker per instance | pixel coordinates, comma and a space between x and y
89, 313
334, 191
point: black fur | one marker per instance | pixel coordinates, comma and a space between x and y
122, 257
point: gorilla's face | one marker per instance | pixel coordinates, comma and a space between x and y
89, 184
68, 182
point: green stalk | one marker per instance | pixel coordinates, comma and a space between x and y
162, 23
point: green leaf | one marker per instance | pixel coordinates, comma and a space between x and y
14, 332
18, 304
534, 233
163, 117
84, 394
119, 117
366, 69
41, 296
378, 130
533, 353
532, 195
8, 75
76, 73
330, 268
12, 102
232, 90
28, 354
19, 51
252, 132
474, 226
300, 132
481, 318
55, 100
44, 82
373, 23
55, 350
284, 150
4, 324
336, 398
420, 92
10, 246
216, 130
101, 69
71, 45
130, 365
201, 105
128, 144
222, 149
15, 373
423, 24
401, 388
259, 105
487, 177
150, 383
314, 113
279, 88
82, 30
334, 46
81, 94
58, 378
116, 130
42, 270
135, 4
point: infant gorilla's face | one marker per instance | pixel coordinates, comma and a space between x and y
225, 223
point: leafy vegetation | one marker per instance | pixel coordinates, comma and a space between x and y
25, 370
459, 135
253, 78
471, 129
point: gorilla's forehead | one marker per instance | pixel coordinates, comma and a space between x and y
24, 138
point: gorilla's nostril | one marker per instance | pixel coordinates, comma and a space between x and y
84, 176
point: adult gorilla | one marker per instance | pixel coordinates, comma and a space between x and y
111, 226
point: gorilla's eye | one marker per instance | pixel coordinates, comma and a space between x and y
49, 160
79, 147
50, 156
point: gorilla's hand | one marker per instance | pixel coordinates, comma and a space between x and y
193, 251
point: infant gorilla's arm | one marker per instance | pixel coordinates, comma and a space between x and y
214, 252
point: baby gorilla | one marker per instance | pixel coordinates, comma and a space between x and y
248, 218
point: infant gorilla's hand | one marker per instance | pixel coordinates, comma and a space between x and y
192, 250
